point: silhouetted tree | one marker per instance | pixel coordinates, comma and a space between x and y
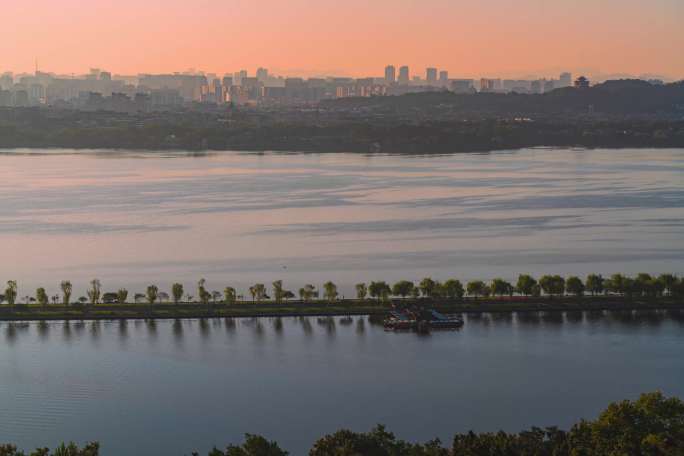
66, 288
361, 291
525, 284
594, 284
574, 286
94, 292
151, 295
11, 292
402, 288
177, 292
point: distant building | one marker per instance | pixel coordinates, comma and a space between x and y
565, 80
549, 85
443, 78
490, 85
462, 86
536, 86
431, 75
262, 74
404, 76
390, 74
582, 83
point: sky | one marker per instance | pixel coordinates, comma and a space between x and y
507, 38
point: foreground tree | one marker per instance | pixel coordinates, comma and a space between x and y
402, 288
552, 285
525, 285
151, 294
476, 288
574, 286
453, 288
203, 294
255, 445
229, 295
91, 449
669, 281
278, 291
427, 287
378, 442
258, 292
177, 292
95, 291
122, 296
308, 292
501, 287
66, 288
616, 284
594, 284
110, 298
361, 291
11, 292
42, 297
330, 291
379, 290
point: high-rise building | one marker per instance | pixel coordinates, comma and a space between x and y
565, 80
390, 74
443, 78
262, 74
431, 75
404, 75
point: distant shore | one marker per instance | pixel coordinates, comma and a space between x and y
33, 312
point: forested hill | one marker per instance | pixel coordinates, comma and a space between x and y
628, 97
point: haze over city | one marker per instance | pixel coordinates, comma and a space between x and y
506, 38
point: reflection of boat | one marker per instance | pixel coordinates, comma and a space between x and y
420, 320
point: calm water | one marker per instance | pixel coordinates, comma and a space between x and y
132, 218
170, 387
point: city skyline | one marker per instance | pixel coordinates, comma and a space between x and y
506, 39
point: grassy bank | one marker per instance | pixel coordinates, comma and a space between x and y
339, 307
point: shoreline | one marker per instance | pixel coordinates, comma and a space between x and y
349, 307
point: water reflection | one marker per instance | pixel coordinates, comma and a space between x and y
204, 328
43, 329
66, 331
306, 326
528, 318
552, 318
574, 316
284, 357
278, 326
363, 213
123, 329
360, 326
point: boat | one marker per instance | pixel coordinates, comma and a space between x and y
420, 321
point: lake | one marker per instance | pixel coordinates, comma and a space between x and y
169, 387
136, 218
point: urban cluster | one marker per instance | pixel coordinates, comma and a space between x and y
101, 90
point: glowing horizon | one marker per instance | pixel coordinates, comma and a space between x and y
301, 37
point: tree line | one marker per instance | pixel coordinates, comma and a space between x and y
652, 425
642, 285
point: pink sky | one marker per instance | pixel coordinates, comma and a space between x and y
352, 37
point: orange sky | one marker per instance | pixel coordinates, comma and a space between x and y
352, 37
